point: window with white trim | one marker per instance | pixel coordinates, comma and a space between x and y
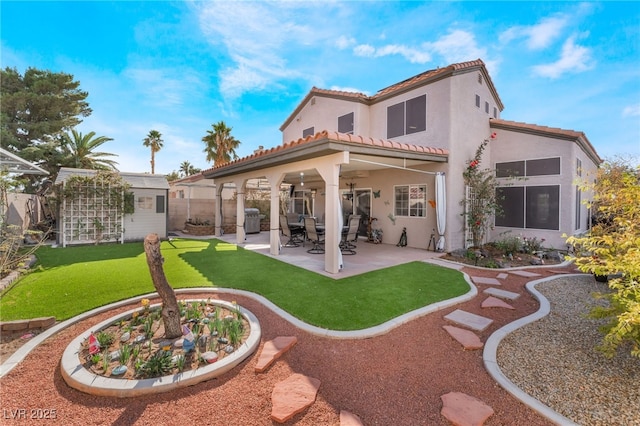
410, 200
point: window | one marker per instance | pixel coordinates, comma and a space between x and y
578, 207
145, 203
543, 204
542, 167
407, 117
345, 123
301, 203
486, 107
410, 200
495, 112
578, 167
308, 132
160, 204
533, 207
512, 168
478, 101
511, 200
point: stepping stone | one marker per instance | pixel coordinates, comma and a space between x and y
468, 339
464, 410
272, 350
467, 319
484, 280
349, 419
292, 396
492, 302
502, 276
503, 294
525, 274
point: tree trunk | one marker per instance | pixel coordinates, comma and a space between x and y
170, 308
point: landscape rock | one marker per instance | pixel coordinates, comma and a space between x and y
292, 396
462, 409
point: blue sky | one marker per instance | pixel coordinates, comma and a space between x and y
179, 67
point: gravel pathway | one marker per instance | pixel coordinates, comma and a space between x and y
554, 360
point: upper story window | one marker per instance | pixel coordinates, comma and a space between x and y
308, 132
541, 167
410, 200
345, 123
495, 112
478, 101
407, 117
486, 107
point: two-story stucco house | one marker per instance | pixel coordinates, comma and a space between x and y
398, 157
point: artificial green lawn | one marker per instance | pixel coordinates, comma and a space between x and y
72, 280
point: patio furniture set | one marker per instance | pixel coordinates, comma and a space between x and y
309, 229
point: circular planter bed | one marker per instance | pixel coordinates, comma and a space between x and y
127, 355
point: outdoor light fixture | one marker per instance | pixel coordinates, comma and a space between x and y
301, 178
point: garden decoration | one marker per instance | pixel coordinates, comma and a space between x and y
403, 238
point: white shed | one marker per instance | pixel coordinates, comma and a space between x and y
92, 217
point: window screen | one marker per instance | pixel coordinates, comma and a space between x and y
416, 115
308, 132
159, 203
543, 207
345, 123
511, 200
545, 166
513, 168
395, 120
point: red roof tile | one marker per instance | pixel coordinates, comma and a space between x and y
336, 136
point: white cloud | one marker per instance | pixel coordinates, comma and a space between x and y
457, 46
573, 59
631, 111
412, 55
344, 42
159, 87
537, 36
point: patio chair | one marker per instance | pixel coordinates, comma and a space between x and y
314, 236
293, 235
348, 243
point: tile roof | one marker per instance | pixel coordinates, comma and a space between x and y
325, 135
550, 131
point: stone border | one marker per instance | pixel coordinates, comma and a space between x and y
78, 377
490, 353
14, 275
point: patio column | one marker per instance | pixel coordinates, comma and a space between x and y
218, 217
240, 234
274, 213
330, 172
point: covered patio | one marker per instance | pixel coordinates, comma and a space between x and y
369, 257
328, 163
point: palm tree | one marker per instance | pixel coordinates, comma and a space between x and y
186, 168
221, 146
78, 150
153, 141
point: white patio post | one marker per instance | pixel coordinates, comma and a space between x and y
240, 187
274, 213
218, 217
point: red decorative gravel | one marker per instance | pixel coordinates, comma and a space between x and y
394, 379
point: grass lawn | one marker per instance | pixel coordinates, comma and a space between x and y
72, 280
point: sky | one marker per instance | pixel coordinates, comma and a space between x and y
179, 67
